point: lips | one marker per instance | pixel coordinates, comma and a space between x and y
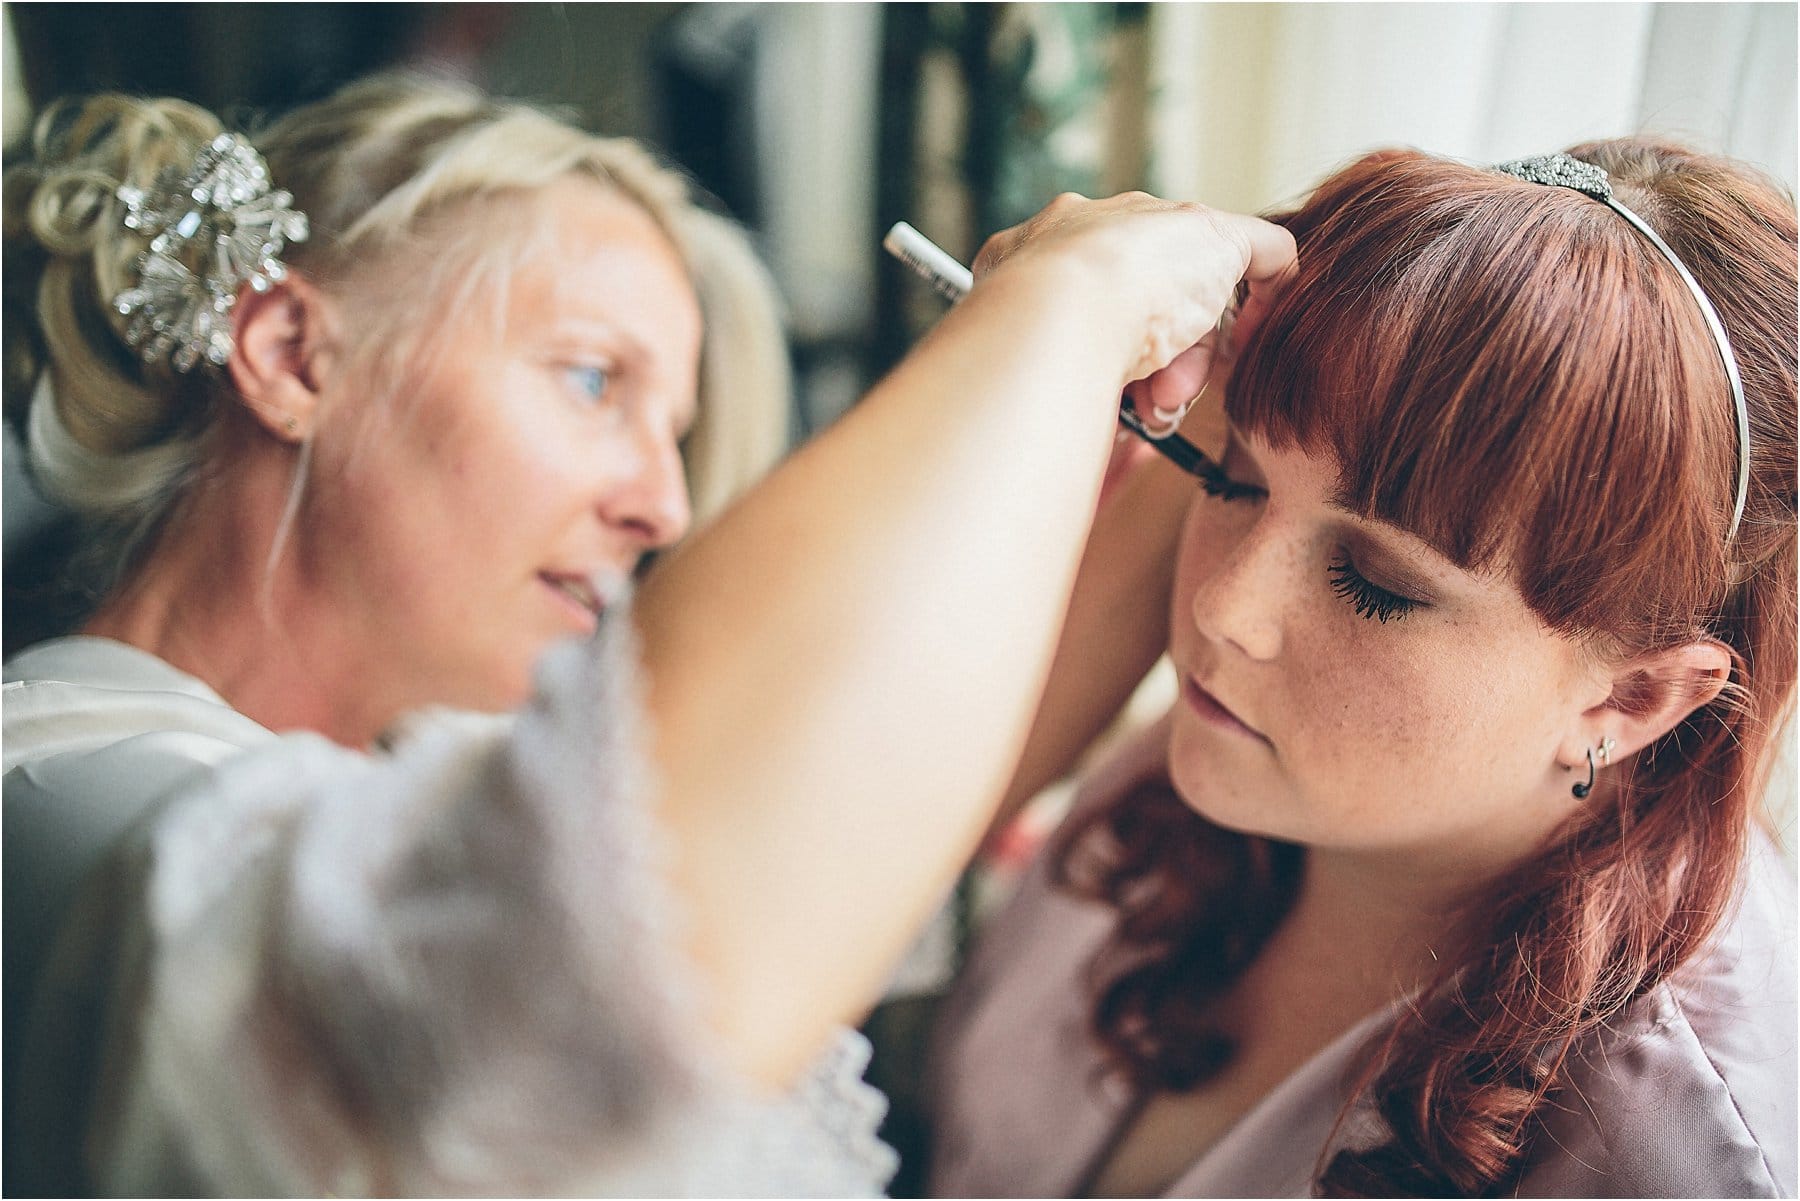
578, 589
1215, 712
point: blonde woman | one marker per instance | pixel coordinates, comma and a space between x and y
332, 839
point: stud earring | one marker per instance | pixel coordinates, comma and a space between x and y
1606, 750
292, 424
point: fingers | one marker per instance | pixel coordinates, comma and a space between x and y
1270, 268
1164, 398
1270, 249
1158, 275
994, 251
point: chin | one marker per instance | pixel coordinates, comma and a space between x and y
505, 685
1202, 787
515, 686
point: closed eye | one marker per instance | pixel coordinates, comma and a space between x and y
1370, 600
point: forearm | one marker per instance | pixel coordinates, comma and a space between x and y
1116, 629
842, 668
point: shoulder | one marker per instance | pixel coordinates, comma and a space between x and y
79, 696
1019, 1012
1694, 1093
1041, 922
97, 736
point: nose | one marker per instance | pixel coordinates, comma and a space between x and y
650, 503
1243, 601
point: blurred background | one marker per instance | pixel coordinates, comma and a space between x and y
819, 125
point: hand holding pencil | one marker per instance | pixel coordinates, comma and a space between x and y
1154, 403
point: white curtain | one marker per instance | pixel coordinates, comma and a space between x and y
1256, 102
815, 101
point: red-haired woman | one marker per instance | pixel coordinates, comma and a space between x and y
1444, 876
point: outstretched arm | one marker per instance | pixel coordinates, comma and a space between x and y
842, 669
1117, 625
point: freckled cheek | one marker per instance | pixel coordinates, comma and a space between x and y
1359, 701
497, 473
1442, 733
1377, 715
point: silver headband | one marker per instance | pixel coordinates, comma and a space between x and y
1562, 171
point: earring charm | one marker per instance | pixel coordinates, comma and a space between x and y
1604, 753
1581, 790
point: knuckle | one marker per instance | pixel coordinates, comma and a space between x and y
1231, 232
994, 250
1204, 212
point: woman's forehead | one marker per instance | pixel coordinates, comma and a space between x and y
600, 261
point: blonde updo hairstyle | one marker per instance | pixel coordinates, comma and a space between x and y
392, 166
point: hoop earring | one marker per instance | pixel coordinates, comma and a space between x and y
1581, 790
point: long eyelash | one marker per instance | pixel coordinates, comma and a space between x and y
1368, 599
1214, 482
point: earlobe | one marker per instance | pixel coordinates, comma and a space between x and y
280, 340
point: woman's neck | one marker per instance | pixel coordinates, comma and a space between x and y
1364, 932
208, 600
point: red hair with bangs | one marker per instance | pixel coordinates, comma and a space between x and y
1517, 376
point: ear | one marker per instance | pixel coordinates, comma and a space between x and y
284, 348
1650, 696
